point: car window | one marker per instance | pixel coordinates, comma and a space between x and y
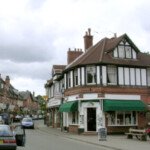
27, 120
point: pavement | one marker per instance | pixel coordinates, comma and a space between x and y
112, 142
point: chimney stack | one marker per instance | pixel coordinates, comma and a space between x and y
88, 39
7, 80
73, 54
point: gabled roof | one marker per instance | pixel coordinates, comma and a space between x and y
101, 53
25, 94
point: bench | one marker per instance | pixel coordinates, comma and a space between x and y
140, 134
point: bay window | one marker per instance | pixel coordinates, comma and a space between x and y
91, 74
112, 75
76, 77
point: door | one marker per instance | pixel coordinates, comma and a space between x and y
91, 119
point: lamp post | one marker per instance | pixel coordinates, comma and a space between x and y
61, 115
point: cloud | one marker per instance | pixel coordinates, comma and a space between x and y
36, 34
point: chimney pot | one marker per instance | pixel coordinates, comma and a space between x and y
89, 30
88, 39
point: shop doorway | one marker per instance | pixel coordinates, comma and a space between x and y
91, 119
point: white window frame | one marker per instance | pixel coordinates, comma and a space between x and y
69, 79
113, 120
76, 77
128, 52
111, 75
91, 70
148, 76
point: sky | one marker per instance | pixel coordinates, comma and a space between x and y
36, 34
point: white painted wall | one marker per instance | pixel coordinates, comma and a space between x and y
122, 97
132, 76
104, 75
98, 74
143, 76
120, 76
65, 81
138, 76
126, 71
83, 75
79, 77
71, 79
83, 114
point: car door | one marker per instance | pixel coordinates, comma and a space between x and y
20, 135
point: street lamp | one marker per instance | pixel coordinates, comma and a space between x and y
61, 115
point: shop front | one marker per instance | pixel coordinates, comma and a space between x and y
69, 111
82, 116
53, 118
123, 114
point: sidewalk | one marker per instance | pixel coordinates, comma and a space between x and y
113, 142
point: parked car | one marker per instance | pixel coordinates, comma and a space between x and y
6, 118
17, 118
27, 123
10, 139
1, 120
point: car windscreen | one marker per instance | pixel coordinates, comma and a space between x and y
5, 131
27, 120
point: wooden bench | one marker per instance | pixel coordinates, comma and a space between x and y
140, 134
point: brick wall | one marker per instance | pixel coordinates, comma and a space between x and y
143, 91
73, 129
72, 55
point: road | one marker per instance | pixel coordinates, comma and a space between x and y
37, 139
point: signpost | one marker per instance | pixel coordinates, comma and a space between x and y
102, 134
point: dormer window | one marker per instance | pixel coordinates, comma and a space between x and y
124, 51
91, 74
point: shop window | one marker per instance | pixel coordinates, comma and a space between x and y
122, 118
111, 118
128, 118
74, 117
148, 117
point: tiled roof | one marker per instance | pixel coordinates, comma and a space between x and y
58, 68
62, 67
101, 53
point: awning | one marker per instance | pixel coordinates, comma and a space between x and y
124, 105
69, 107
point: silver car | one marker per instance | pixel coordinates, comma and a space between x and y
27, 123
11, 138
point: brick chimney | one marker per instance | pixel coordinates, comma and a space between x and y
7, 80
88, 39
72, 55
